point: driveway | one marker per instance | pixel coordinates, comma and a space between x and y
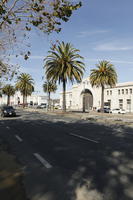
71, 159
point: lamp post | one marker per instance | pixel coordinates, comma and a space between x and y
83, 96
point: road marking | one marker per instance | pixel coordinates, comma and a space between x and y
84, 138
7, 127
18, 138
42, 160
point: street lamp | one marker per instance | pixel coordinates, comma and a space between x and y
83, 96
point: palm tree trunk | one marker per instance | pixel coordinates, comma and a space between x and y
83, 102
23, 101
8, 100
102, 99
64, 96
26, 100
49, 106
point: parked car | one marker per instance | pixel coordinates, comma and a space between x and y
57, 107
7, 111
105, 110
42, 106
118, 111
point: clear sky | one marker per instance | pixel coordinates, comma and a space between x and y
101, 29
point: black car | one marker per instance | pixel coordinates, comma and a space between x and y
7, 111
105, 110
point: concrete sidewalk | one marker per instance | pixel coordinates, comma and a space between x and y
90, 116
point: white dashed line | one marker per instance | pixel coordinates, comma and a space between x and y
42, 160
7, 127
18, 138
84, 138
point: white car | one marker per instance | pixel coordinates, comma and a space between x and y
118, 111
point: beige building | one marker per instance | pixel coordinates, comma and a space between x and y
120, 96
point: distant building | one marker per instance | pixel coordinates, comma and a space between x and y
17, 99
120, 96
56, 101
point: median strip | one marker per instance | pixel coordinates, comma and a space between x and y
84, 138
42, 160
18, 138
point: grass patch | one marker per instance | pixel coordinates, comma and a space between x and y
91, 119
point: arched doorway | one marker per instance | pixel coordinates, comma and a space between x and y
87, 100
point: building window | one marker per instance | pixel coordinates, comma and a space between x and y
110, 92
119, 92
129, 105
121, 103
107, 92
109, 103
131, 91
126, 91
122, 91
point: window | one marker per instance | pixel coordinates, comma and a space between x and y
121, 103
110, 92
109, 103
129, 105
126, 91
107, 92
119, 92
128, 101
130, 91
122, 91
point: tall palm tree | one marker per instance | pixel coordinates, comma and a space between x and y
25, 85
104, 75
8, 90
63, 64
49, 87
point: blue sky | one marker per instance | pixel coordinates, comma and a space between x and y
101, 29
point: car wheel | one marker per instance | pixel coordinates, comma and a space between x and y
119, 113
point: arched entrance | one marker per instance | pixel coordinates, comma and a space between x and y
87, 100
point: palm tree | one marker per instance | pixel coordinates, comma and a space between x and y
49, 87
8, 90
25, 85
104, 75
62, 64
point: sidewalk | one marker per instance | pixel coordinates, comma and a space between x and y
91, 116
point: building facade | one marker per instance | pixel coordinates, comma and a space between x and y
83, 95
17, 99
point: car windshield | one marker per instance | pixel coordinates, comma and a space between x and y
7, 107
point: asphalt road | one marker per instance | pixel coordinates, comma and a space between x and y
67, 159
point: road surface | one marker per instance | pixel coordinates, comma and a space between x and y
69, 159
